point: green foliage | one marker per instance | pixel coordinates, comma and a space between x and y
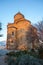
20, 53
16, 54
23, 59
40, 52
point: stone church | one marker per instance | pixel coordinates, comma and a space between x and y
19, 33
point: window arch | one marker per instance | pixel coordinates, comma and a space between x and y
12, 33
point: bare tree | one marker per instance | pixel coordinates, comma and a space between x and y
0, 29
0, 26
39, 26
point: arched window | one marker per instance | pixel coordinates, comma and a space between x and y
12, 33
12, 41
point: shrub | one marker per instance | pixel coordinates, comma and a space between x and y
23, 58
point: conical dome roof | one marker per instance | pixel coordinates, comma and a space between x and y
18, 16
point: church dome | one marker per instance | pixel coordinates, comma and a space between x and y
18, 16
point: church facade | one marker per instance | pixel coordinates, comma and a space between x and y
18, 33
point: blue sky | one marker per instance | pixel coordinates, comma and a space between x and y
32, 10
